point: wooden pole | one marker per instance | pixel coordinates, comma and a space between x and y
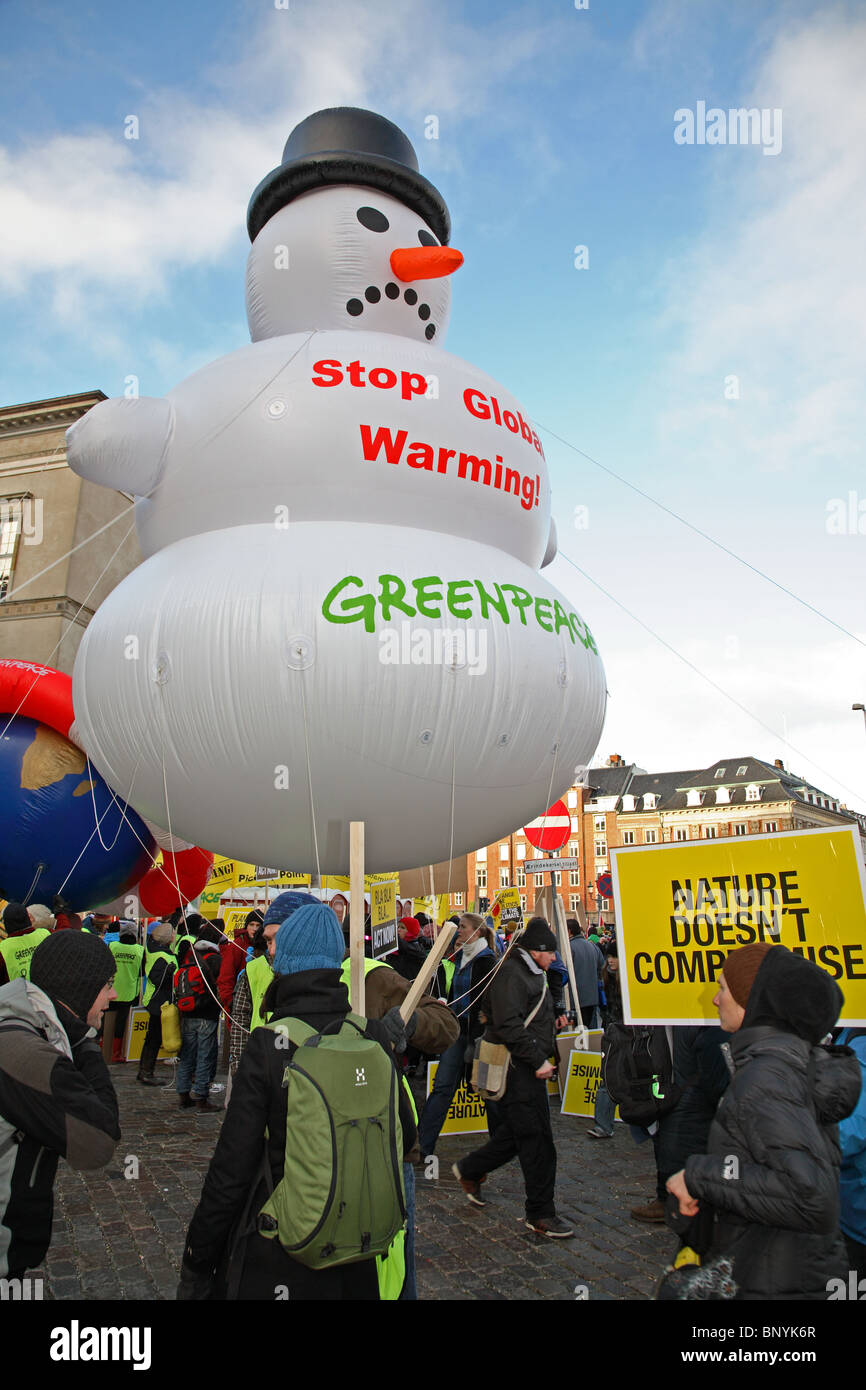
428, 970
356, 917
555, 913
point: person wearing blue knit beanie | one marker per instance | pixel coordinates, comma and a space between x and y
311, 939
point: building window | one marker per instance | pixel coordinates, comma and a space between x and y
574, 878
481, 878
574, 902
723, 796
720, 772
574, 849
522, 902
11, 514
649, 801
650, 837
539, 880
753, 793
572, 800
481, 854
575, 824
682, 832
458, 899
741, 771
694, 797
709, 832
521, 878
628, 802
503, 878
504, 852
741, 829
603, 904
557, 878
601, 824
628, 837
601, 849
521, 851
771, 827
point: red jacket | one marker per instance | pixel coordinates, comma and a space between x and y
233, 959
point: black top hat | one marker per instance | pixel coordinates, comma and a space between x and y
347, 145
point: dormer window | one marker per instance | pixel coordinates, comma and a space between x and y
741, 771
628, 802
649, 801
723, 796
753, 792
720, 772
694, 797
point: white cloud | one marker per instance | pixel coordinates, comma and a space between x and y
96, 211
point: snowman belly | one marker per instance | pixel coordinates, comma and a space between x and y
234, 659
350, 426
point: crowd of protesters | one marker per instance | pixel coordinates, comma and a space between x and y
771, 1090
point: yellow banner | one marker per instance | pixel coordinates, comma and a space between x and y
438, 907
584, 1079
467, 1113
339, 883
506, 910
681, 908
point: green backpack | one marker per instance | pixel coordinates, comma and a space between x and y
341, 1196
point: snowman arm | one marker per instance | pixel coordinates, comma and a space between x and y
552, 546
122, 443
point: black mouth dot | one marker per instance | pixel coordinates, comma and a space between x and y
354, 307
372, 295
424, 311
411, 296
429, 330
392, 291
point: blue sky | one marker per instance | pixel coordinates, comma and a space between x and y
556, 125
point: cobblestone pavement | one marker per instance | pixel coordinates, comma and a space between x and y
120, 1237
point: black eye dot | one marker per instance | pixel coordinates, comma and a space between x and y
372, 295
392, 291
354, 307
373, 219
411, 296
429, 330
424, 311
427, 238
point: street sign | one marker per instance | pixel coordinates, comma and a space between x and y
604, 884
537, 866
550, 831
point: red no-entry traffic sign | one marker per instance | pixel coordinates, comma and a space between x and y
550, 831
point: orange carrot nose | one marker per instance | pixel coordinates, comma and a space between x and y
425, 262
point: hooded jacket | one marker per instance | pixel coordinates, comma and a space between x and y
56, 1099
772, 1167
254, 1129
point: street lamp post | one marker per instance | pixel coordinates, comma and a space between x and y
862, 709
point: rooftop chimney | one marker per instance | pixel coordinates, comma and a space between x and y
779, 763
614, 760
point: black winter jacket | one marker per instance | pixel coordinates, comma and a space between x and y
508, 1002
222, 1228
56, 1100
772, 1170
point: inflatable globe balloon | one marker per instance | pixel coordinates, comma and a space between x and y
340, 615
51, 804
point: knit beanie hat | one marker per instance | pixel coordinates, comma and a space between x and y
741, 967
537, 937
311, 939
72, 967
162, 934
16, 918
413, 927
285, 904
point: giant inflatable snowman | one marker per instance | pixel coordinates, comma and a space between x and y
340, 616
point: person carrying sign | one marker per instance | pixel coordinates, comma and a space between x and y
521, 1016
771, 1170
474, 963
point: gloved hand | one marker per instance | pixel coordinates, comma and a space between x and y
398, 1033
195, 1285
